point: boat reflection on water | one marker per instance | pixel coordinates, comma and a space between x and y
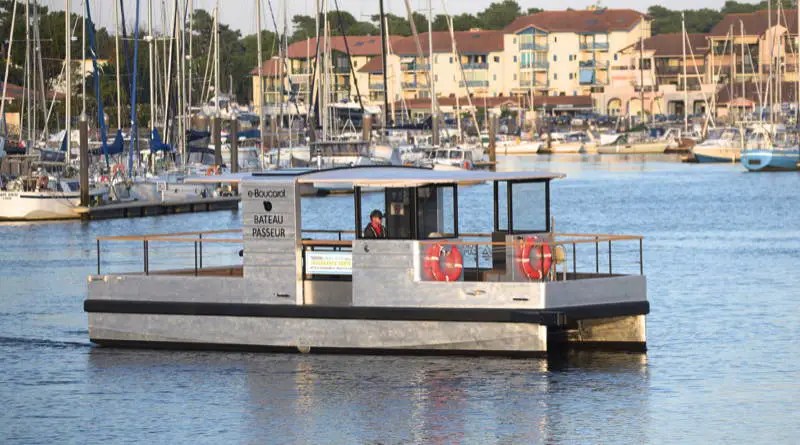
387, 399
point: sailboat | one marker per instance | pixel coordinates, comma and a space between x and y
775, 149
44, 193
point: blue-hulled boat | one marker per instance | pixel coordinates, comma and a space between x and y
778, 152
771, 159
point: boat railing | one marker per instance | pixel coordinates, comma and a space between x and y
212, 252
571, 256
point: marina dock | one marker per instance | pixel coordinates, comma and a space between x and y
136, 209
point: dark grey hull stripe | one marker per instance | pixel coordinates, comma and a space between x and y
550, 317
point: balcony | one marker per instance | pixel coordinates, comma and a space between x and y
476, 66
529, 83
533, 46
413, 85
594, 46
415, 67
536, 65
376, 86
475, 83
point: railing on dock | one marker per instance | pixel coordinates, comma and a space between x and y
211, 252
571, 256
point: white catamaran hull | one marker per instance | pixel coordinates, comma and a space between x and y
38, 206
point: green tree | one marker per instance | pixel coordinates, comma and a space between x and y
499, 15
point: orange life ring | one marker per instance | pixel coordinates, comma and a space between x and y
466, 165
538, 268
214, 170
433, 268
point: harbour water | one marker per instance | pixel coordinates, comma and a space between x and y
722, 251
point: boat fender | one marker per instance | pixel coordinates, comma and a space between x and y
441, 264
538, 268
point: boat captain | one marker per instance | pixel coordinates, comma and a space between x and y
375, 228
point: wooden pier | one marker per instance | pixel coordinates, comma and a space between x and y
136, 209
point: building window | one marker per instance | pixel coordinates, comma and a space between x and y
555, 76
555, 58
515, 59
494, 77
555, 39
497, 59
435, 77
451, 60
515, 77
616, 57
515, 40
570, 76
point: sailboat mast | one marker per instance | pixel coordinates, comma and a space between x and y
384, 55
150, 62
431, 76
684, 36
83, 61
28, 74
741, 33
67, 76
216, 60
117, 63
260, 98
641, 69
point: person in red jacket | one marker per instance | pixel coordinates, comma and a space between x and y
375, 229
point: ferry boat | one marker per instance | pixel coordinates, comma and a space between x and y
520, 289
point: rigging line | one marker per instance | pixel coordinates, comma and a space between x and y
349, 57
283, 62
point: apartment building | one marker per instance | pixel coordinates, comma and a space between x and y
347, 56
750, 46
653, 70
569, 52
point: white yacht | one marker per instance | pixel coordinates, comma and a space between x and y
41, 196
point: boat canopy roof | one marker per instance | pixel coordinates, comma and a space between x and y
381, 176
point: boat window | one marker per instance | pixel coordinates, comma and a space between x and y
437, 212
529, 206
412, 213
455, 154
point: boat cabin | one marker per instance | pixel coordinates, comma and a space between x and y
430, 264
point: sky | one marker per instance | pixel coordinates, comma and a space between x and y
240, 14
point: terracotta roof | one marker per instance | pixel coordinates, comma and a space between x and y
467, 42
359, 46
751, 89
671, 45
270, 68
374, 66
17, 92
581, 21
493, 102
755, 23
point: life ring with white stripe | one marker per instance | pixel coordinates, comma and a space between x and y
443, 264
537, 268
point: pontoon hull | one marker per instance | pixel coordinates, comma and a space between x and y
317, 334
